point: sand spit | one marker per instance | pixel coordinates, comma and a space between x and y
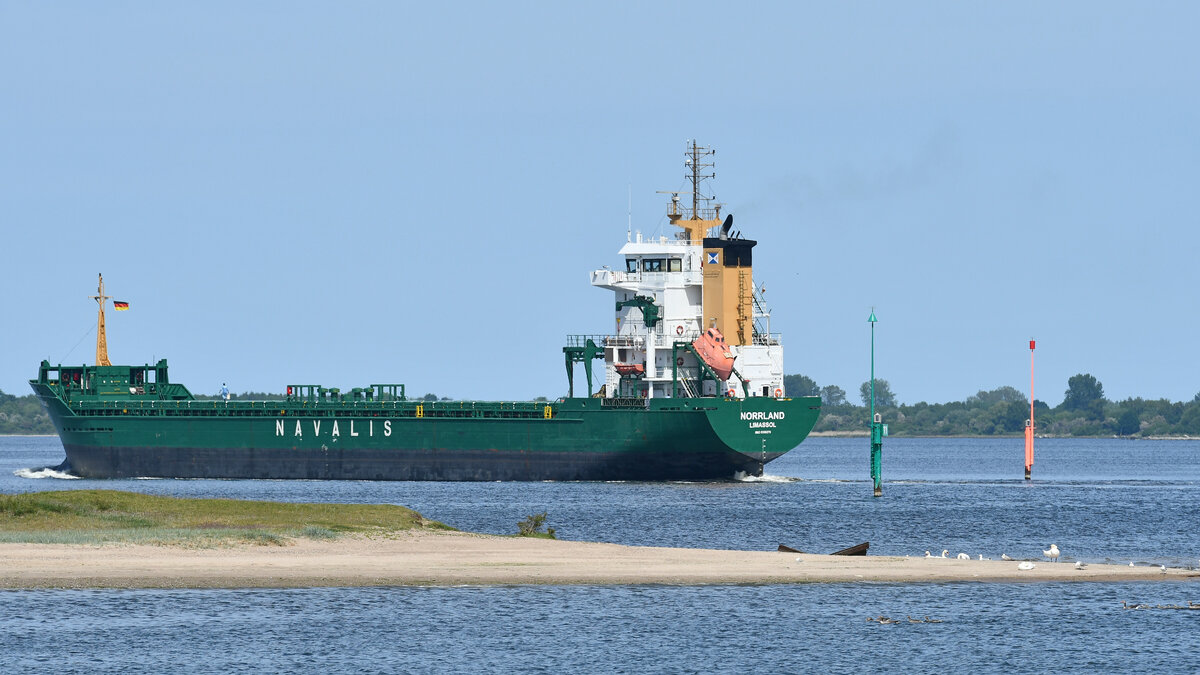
447, 559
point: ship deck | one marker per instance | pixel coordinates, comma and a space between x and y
294, 408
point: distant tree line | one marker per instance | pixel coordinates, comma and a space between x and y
23, 415
1003, 411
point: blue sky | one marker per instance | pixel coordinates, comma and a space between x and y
350, 193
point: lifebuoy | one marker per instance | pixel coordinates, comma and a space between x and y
679, 330
778, 392
679, 361
732, 393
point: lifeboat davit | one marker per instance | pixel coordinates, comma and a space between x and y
712, 348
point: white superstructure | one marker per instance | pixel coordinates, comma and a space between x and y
669, 291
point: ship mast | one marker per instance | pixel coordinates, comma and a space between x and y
696, 224
696, 154
101, 341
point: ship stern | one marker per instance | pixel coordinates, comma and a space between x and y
762, 429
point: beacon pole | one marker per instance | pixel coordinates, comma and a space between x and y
1029, 422
877, 428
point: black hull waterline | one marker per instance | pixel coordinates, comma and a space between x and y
434, 465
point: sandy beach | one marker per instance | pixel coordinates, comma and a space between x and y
447, 559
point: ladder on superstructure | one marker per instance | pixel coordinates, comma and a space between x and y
760, 310
686, 388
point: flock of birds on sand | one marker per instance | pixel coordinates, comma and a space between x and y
1052, 553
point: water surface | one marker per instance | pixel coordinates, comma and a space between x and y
1099, 500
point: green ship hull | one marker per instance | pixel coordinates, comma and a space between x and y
132, 429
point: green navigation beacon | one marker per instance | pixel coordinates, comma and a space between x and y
878, 429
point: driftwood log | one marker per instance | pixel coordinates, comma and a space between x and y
857, 549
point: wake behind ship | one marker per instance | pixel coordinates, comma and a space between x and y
691, 389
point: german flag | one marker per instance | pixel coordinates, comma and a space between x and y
120, 306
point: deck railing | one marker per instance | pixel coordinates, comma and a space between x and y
328, 408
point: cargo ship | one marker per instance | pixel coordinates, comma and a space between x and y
691, 388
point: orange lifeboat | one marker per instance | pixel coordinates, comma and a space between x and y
712, 348
635, 369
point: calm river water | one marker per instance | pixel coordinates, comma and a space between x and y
1100, 500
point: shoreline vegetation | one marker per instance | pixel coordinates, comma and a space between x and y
98, 517
1001, 412
100, 541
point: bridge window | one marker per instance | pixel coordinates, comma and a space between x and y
631, 265
676, 265
652, 265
